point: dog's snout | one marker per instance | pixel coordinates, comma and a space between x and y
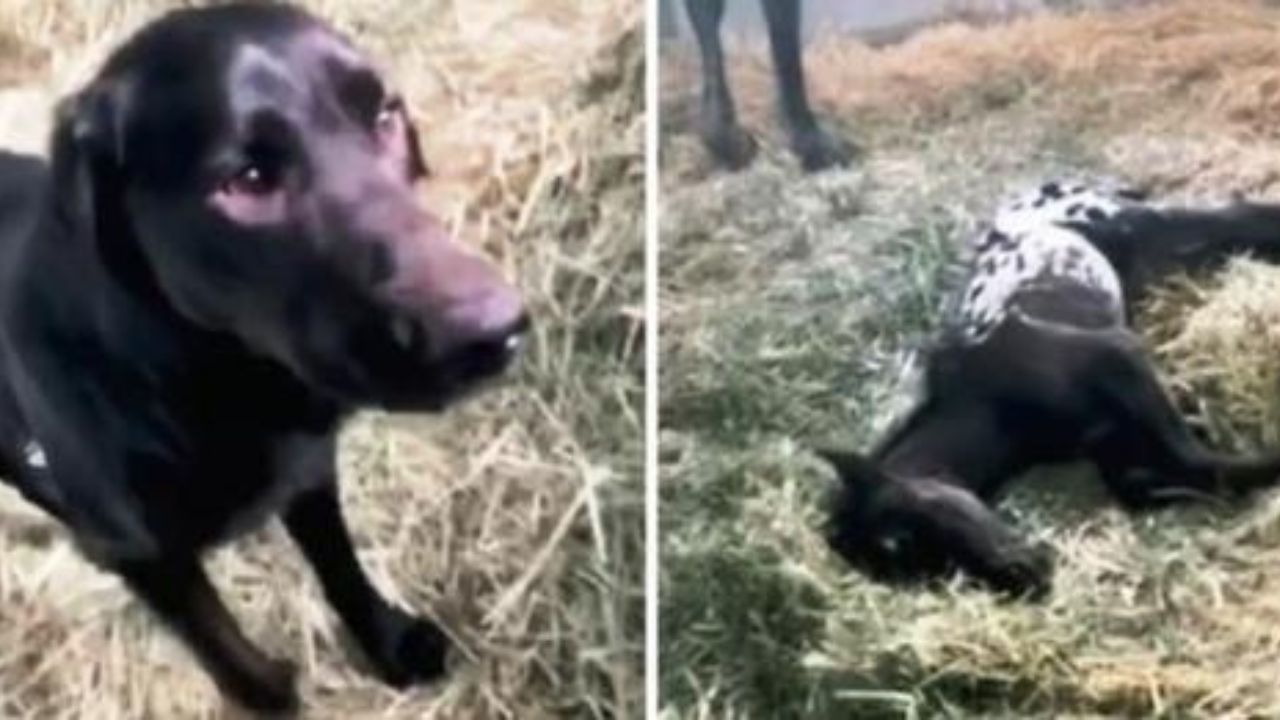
451, 304
491, 320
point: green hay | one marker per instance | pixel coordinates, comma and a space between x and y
792, 304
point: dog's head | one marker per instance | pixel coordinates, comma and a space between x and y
921, 529
249, 169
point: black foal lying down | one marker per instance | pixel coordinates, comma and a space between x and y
1037, 366
223, 260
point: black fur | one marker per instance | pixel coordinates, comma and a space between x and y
223, 260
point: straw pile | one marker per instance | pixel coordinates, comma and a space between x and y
516, 521
792, 308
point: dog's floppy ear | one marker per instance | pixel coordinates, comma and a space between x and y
85, 157
87, 161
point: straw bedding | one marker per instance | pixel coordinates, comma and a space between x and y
791, 312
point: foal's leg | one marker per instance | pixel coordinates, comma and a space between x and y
178, 590
1148, 245
816, 148
727, 142
1149, 457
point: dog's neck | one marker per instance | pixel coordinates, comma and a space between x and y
122, 309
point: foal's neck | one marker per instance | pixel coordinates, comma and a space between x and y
961, 443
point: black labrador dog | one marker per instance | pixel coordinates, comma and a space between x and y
1037, 365
724, 138
222, 261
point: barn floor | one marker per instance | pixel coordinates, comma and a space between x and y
791, 306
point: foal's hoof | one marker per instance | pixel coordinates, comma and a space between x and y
271, 690
819, 149
730, 145
1026, 576
412, 651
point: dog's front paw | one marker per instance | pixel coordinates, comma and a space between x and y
411, 650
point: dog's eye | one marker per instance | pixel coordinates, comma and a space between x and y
252, 179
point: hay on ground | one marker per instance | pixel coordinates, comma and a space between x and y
793, 305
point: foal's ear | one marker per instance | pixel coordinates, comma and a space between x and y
854, 469
84, 155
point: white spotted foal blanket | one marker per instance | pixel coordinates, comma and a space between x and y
1028, 244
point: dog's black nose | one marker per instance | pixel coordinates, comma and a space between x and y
480, 334
492, 322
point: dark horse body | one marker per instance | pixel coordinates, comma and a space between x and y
727, 142
1038, 366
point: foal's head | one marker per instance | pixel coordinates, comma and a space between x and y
919, 529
